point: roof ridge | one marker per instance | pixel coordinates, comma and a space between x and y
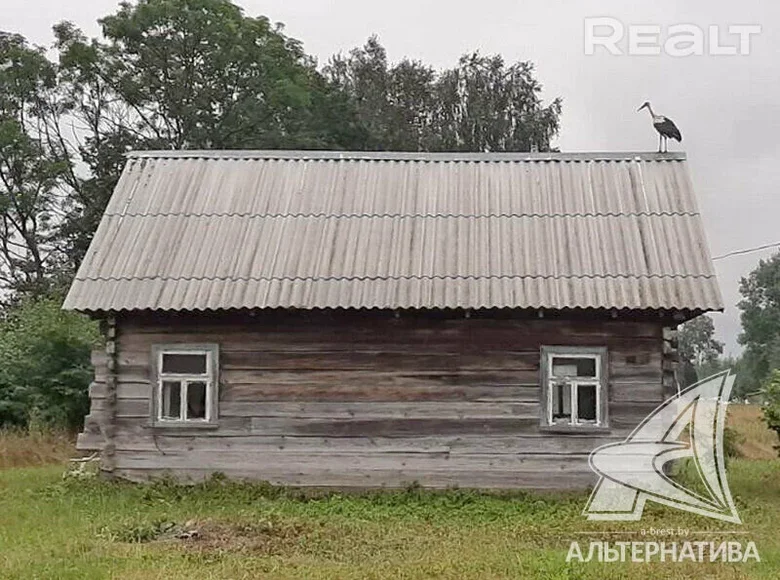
402, 277
325, 215
452, 156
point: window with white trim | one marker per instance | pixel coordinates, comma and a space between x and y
186, 385
574, 388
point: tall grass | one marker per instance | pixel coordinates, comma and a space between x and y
34, 447
756, 440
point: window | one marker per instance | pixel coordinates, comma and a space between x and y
185, 385
574, 386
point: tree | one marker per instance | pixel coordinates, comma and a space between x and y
187, 74
698, 350
760, 306
32, 167
697, 343
486, 105
482, 104
179, 74
395, 104
199, 73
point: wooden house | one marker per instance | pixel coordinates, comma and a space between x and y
378, 319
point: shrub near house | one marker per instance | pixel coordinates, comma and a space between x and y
45, 365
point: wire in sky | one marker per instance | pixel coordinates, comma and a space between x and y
747, 251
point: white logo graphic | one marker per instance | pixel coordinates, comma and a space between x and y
632, 471
678, 40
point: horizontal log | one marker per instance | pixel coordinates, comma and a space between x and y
287, 461
339, 321
139, 427
392, 427
530, 444
380, 360
636, 392
361, 410
127, 373
369, 419
368, 379
90, 442
258, 350
97, 390
387, 479
139, 408
454, 338
99, 357
630, 414
123, 390
338, 391
131, 408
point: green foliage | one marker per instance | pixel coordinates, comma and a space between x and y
760, 307
31, 167
45, 366
697, 342
188, 74
487, 105
136, 532
737, 365
771, 409
199, 73
482, 104
698, 349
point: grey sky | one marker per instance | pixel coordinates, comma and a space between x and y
728, 107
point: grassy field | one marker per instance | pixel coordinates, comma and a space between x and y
55, 528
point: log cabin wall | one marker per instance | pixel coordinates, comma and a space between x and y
368, 399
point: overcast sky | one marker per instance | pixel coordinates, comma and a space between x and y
728, 107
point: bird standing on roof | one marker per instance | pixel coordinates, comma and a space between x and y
665, 127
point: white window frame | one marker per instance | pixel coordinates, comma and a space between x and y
210, 378
599, 356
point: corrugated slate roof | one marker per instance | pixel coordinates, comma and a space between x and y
196, 230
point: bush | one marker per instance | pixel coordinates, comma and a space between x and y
45, 367
771, 408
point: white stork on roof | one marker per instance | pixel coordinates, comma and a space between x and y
665, 127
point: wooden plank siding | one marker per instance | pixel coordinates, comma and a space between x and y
369, 400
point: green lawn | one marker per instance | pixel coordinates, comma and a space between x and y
94, 529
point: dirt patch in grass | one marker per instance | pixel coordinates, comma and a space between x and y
265, 537
262, 537
19, 448
757, 441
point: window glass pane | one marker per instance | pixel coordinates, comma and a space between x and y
171, 400
586, 402
185, 364
573, 367
196, 400
561, 401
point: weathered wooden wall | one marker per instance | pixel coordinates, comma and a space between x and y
367, 399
